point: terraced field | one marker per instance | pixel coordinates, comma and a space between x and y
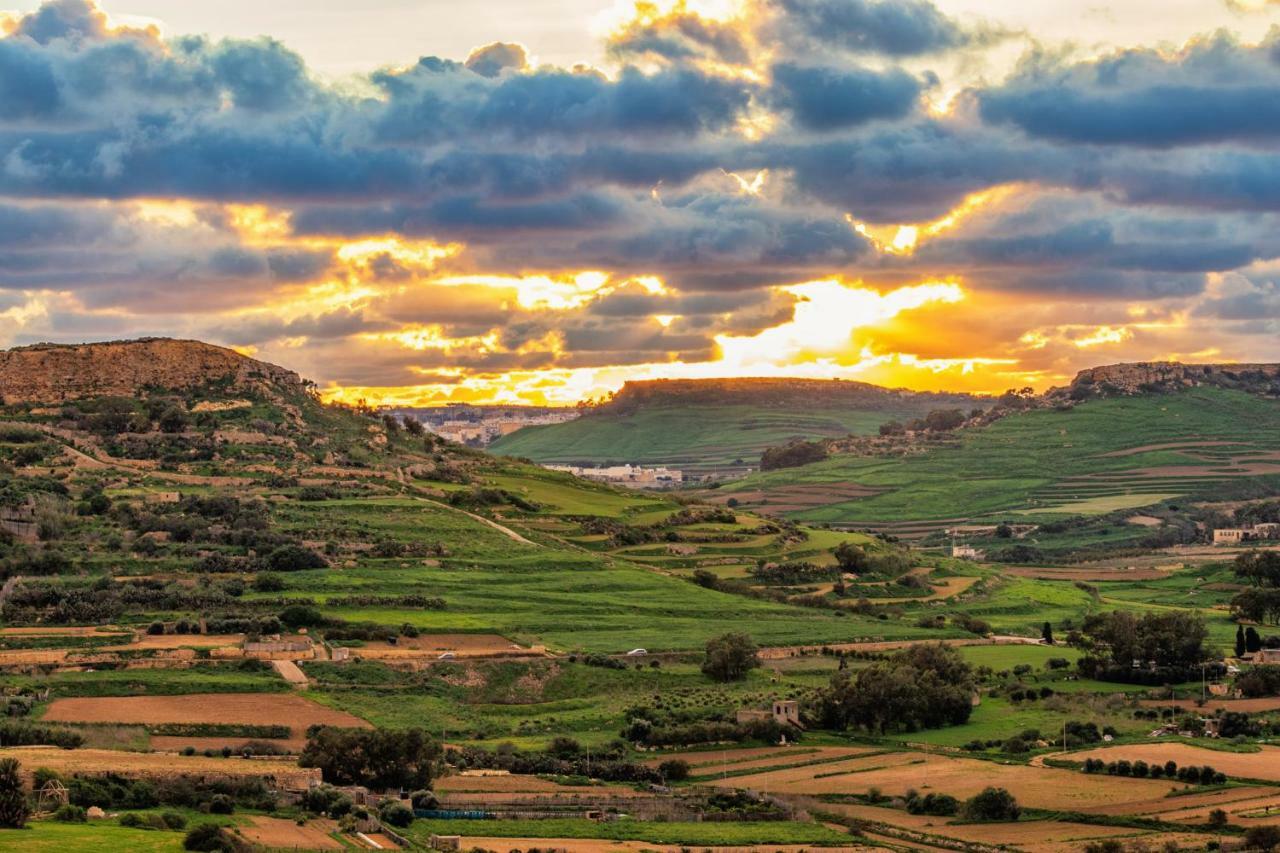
1099, 457
703, 439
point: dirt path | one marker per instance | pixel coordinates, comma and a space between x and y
290, 672
777, 652
506, 531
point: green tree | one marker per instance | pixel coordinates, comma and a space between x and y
174, 419
14, 809
730, 657
376, 758
1252, 641
1240, 646
1217, 819
925, 686
1262, 838
1046, 633
991, 804
852, 558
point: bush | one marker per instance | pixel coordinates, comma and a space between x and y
268, 582
941, 805
68, 813
206, 837
14, 809
674, 770
397, 814
992, 804
221, 804
294, 558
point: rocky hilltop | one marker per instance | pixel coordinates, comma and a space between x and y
1168, 375
768, 392
54, 373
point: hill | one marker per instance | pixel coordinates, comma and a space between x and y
719, 426
171, 461
54, 373
1100, 457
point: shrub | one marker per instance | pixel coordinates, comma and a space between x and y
206, 837
268, 582
221, 804
69, 813
294, 558
991, 804
397, 814
13, 799
674, 770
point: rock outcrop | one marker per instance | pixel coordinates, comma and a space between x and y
55, 373
1157, 375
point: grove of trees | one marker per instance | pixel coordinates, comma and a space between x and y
925, 686
379, 759
1261, 602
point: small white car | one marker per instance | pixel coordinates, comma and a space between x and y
635, 653
446, 656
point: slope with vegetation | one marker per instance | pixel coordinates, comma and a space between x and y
717, 426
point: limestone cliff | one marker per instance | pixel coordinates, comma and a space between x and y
1163, 375
54, 373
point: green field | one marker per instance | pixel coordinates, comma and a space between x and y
701, 834
1097, 457
696, 439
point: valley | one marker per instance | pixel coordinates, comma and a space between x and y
208, 583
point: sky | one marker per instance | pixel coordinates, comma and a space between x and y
414, 204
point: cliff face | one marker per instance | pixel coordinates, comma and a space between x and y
1140, 376
54, 373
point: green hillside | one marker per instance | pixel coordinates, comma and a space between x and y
1097, 457
718, 426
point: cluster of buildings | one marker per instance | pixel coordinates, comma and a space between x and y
479, 426
627, 475
1240, 535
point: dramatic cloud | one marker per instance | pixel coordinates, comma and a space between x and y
821, 187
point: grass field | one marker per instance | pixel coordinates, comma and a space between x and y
51, 837
696, 439
701, 834
1103, 455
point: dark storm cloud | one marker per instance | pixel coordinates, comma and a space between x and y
1214, 91
550, 169
891, 27
822, 98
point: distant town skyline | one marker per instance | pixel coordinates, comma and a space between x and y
422, 202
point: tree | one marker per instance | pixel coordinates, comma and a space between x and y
991, 804
730, 657
1217, 819
674, 770
1170, 639
1240, 642
376, 758
1261, 603
294, 558
206, 837
944, 420
852, 558
1263, 838
925, 686
1046, 633
14, 809
174, 419
1252, 642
